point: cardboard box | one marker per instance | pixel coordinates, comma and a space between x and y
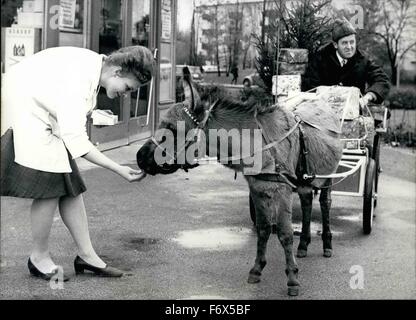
286, 68
104, 118
293, 56
287, 85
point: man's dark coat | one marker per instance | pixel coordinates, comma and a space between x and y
324, 69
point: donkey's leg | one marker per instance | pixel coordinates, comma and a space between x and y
306, 199
285, 235
263, 203
325, 201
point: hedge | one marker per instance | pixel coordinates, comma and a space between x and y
402, 98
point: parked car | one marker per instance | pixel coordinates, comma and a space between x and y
213, 69
252, 79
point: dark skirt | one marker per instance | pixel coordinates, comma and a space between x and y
22, 182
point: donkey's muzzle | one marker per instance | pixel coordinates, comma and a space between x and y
146, 161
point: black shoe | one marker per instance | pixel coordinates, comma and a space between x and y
80, 266
45, 276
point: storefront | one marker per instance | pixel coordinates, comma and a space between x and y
104, 26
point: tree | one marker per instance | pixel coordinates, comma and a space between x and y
192, 52
301, 25
394, 25
214, 34
9, 11
183, 42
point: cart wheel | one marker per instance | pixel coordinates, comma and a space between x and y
376, 157
252, 210
369, 196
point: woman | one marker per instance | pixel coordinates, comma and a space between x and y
45, 101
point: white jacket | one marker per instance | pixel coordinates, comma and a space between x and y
46, 99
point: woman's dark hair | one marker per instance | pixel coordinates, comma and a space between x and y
136, 60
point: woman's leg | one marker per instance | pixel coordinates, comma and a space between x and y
42, 212
72, 210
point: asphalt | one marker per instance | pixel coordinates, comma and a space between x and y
189, 236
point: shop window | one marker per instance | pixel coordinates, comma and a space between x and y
110, 26
71, 23
140, 36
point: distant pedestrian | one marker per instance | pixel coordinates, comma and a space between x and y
234, 72
45, 102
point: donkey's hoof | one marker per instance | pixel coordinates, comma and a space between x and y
327, 253
253, 278
293, 291
302, 253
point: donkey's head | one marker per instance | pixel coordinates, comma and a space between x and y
165, 152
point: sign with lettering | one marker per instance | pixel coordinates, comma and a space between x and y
166, 20
67, 13
20, 43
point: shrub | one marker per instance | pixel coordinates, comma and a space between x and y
402, 98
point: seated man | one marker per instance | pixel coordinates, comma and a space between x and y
339, 63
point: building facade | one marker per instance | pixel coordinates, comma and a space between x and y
228, 26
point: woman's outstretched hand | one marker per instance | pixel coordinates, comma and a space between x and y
130, 174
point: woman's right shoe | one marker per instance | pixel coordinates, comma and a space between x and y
80, 266
45, 276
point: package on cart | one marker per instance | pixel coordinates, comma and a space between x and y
286, 85
293, 56
358, 128
292, 68
343, 100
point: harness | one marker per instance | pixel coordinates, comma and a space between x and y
199, 125
304, 176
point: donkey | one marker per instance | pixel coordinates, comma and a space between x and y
282, 150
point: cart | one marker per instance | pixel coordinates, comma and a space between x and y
359, 168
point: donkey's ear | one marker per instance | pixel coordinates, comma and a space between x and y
197, 103
186, 74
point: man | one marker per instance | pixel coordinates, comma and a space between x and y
234, 72
339, 63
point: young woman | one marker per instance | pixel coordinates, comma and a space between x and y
45, 102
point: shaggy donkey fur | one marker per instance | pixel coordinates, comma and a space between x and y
272, 196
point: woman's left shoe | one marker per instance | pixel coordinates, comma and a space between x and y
80, 266
45, 276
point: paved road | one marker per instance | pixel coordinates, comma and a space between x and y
189, 236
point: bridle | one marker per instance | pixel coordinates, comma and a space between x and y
198, 125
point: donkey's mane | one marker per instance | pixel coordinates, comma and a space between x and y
254, 102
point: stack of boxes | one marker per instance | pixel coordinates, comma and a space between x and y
292, 65
293, 61
31, 14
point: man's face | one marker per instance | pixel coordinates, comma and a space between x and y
346, 46
120, 84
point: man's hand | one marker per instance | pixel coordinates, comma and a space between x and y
130, 174
364, 101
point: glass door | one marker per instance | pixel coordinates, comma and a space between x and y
108, 24
140, 107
